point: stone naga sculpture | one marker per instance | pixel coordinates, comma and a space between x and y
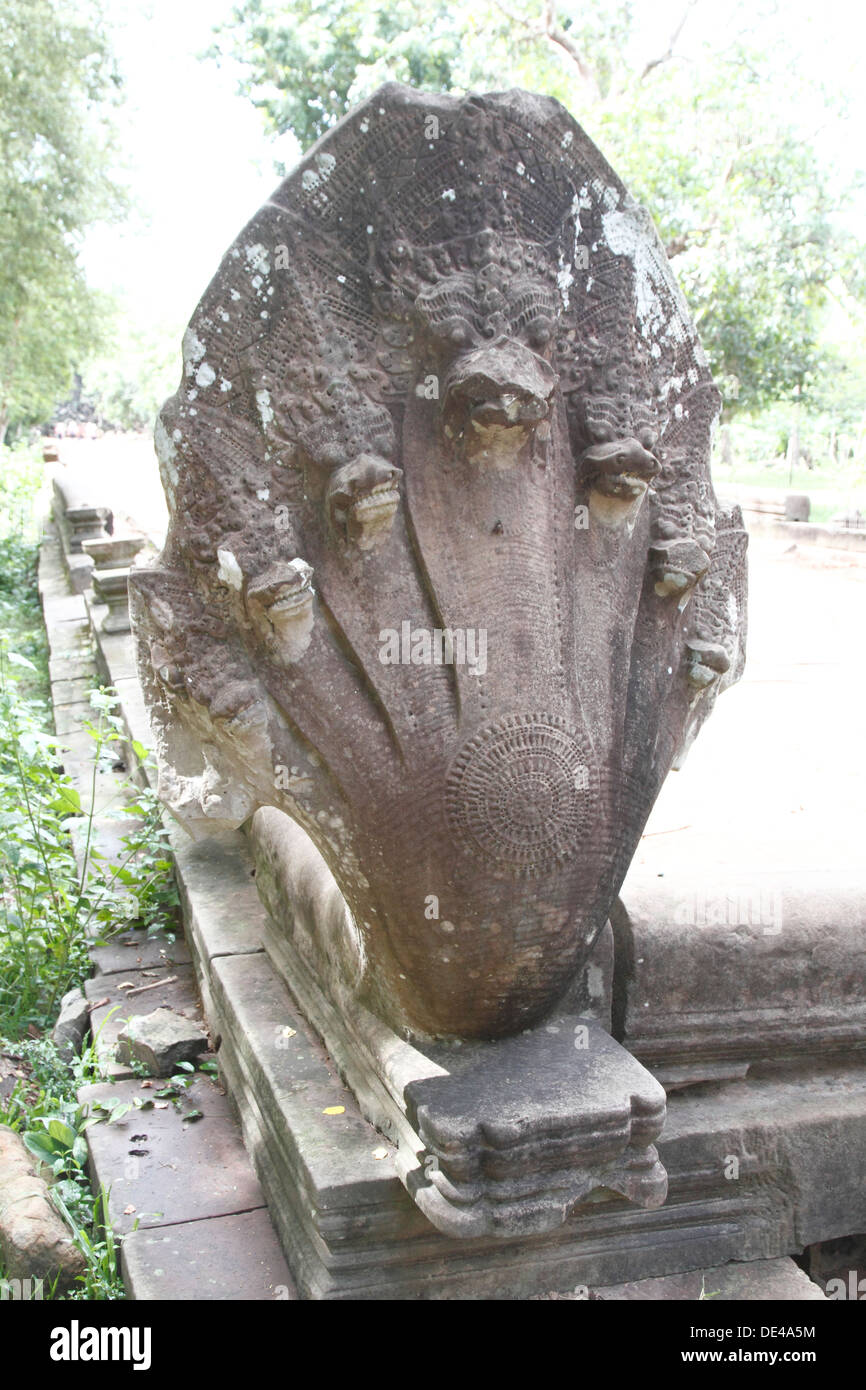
445, 578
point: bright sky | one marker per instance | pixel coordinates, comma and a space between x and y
197, 158
200, 164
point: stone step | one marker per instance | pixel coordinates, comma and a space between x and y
223, 1257
779, 1280
183, 1195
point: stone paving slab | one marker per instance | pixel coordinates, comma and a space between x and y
341, 1155
72, 692
116, 656
107, 793
71, 665
215, 876
175, 989
53, 579
107, 835
135, 950
70, 638
64, 608
167, 1169
754, 1281
69, 719
220, 1258
78, 745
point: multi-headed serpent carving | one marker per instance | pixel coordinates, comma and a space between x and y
444, 378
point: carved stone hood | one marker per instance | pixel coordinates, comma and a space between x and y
446, 579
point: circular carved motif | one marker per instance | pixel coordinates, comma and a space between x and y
520, 791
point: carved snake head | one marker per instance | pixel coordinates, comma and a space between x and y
496, 398
621, 468
280, 602
363, 496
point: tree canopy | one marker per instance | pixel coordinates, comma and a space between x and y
752, 216
57, 83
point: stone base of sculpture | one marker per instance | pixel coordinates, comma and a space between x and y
499, 1138
752, 1173
758, 1167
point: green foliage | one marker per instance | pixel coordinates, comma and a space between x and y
130, 382
752, 217
49, 906
21, 479
831, 467
40, 946
56, 80
44, 1109
52, 908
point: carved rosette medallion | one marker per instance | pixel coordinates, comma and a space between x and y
519, 793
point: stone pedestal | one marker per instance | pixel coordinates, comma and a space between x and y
113, 552
78, 519
757, 1169
497, 1139
112, 557
111, 588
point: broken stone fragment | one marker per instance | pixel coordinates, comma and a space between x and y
161, 1040
72, 1024
34, 1242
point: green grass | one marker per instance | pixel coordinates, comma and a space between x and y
22, 477
835, 481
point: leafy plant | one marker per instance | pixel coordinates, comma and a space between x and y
58, 83
52, 905
43, 1107
42, 946
715, 135
52, 908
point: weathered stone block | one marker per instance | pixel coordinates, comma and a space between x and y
34, 1242
161, 1041
73, 1023
716, 975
